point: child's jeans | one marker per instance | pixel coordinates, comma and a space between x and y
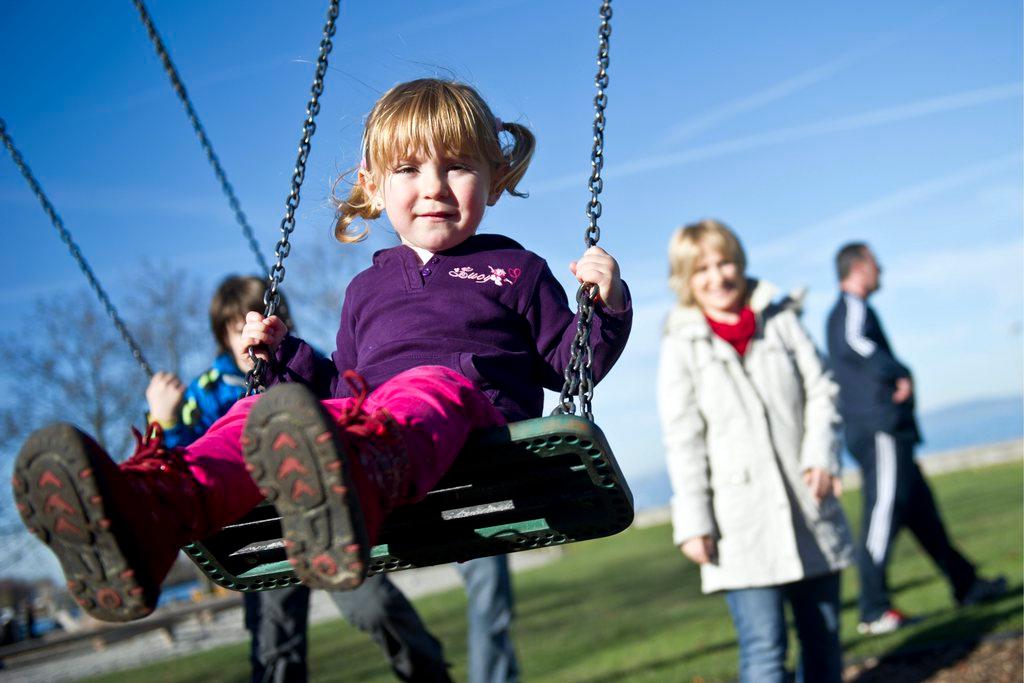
435, 408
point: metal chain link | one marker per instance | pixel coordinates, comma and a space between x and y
76, 253
254, 380
204, 141
579, 378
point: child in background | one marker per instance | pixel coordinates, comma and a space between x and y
184, 414
277, 620
447, 333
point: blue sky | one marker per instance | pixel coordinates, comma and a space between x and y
802, 125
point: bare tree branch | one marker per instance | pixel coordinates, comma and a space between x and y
67, 363
316, 288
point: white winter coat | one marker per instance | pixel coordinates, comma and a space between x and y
738, 434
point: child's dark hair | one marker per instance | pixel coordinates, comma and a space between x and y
236, 295
431, 113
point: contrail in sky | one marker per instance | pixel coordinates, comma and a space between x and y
823, 232
773, 93
802, 80
878, 117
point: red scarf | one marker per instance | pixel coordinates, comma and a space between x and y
738, 334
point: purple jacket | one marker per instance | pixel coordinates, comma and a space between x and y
487, 308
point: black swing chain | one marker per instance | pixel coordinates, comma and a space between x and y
204, 141
271, 298
579, 378
76, 253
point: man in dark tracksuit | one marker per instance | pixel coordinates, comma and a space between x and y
876, 400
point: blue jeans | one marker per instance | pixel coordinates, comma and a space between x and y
381, 610
492, 657
760, 619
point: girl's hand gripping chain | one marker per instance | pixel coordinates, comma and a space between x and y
263, 333
598, 267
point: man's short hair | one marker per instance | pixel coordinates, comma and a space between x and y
849, 254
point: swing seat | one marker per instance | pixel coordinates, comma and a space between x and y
534, 483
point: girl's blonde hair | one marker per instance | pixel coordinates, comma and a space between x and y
427, 114
685, 248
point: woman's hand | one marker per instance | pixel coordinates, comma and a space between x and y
822, 484
164, 395
263, 333
597, 267
700, 549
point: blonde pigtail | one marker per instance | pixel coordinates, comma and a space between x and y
359, 204
517, 158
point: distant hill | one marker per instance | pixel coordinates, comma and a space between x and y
971, 423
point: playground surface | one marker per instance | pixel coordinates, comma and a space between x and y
629, 608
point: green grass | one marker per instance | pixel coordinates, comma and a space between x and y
629, 608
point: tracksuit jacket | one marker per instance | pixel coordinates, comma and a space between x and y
866, 370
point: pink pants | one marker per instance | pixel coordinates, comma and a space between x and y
435, 407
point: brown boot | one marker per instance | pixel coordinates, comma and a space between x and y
332, 482
115, 529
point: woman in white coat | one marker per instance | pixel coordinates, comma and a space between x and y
750, 430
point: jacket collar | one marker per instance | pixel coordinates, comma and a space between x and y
472, 245
225, 365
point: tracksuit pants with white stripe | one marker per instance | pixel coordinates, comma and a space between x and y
896, 494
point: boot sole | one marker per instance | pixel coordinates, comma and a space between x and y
295, 456
61, 500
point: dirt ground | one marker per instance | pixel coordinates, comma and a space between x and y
994, 660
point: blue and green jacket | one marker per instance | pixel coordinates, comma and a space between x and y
207, 398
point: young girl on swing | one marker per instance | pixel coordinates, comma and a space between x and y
448, 332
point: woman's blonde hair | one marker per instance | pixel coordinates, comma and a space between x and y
685, 248
427, 114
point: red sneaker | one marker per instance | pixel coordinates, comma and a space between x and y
891, 620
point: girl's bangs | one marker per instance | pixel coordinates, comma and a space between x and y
431, 123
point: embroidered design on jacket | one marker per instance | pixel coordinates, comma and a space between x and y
499, 276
